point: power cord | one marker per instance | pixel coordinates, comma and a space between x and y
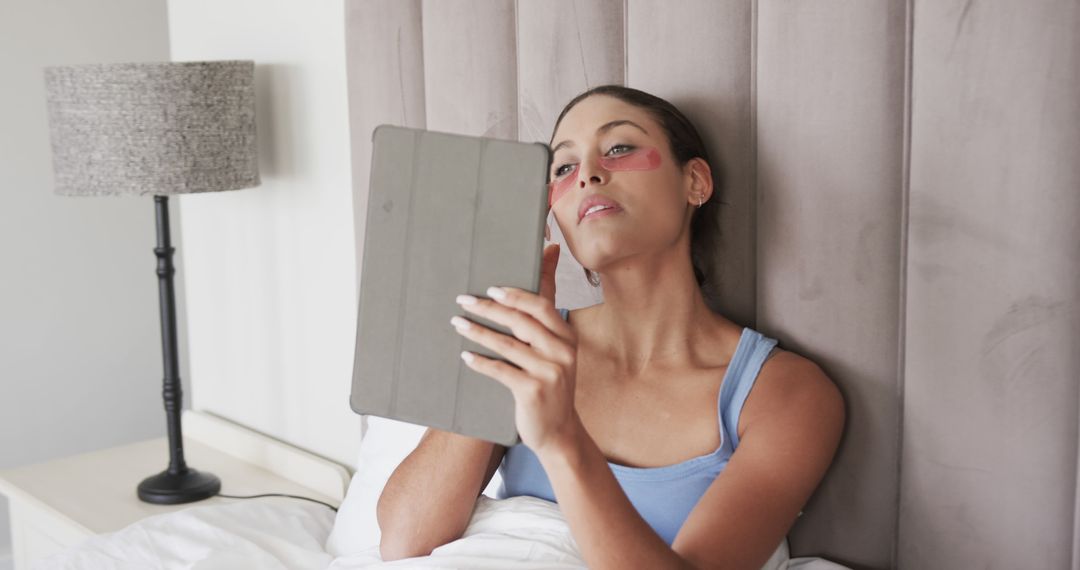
332, 507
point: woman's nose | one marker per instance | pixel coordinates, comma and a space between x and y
590, 172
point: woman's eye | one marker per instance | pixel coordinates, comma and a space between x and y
559, 171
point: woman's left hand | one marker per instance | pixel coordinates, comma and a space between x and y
544, 350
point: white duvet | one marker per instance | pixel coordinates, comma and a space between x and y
280, 533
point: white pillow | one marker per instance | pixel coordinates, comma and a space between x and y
383, 447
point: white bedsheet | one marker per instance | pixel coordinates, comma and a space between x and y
280, 533
270, 532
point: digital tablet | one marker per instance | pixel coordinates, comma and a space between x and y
447, 214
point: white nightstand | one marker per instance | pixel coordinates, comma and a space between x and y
59, 503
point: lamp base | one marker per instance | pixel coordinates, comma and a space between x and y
172, 489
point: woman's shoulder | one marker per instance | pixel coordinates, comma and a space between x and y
790, 368
788, 381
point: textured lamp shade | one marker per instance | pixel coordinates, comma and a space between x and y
152, 128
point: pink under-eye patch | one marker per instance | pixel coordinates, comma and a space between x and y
646, 158
558, 188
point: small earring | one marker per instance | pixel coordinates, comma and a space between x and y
699, 200
592, 278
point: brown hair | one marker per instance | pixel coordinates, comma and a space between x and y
685, 143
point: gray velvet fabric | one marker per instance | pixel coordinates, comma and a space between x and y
152, 128
992, 319
900, 185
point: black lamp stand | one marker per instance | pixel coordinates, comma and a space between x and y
178, 483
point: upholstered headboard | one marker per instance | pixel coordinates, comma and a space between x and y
900, 185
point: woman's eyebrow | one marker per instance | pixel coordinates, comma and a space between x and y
601, 130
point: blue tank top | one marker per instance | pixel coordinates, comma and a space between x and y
665, 495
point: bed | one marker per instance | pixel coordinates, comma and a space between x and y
273, 533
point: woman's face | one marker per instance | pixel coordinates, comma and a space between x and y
628, 162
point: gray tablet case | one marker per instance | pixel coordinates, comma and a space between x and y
447, 214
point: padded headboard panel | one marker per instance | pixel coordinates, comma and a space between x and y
900, 181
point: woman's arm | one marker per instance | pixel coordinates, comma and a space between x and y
430, 497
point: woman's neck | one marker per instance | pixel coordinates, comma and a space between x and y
653, 316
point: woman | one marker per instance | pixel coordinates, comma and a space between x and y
630, 411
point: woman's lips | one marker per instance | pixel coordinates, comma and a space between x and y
601, 213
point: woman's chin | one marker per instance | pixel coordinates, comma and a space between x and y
594, 249
598, 260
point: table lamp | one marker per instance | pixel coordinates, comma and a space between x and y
161, 129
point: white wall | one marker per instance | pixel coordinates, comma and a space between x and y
270, 271
80, 344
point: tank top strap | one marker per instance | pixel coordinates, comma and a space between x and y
743, 370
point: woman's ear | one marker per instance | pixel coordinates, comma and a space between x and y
701, 180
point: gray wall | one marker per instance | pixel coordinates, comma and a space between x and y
993, 287
80, 341
901, 186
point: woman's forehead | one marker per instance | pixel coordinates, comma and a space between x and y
582, 121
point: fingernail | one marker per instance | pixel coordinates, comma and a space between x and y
459, 322
496, 293
467, 356
466, 299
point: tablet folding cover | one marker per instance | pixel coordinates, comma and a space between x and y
447, 214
